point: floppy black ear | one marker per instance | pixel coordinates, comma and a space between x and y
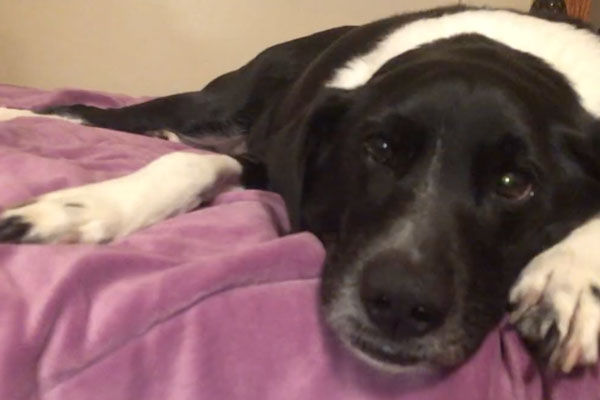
577, 196
296, 145
583, 148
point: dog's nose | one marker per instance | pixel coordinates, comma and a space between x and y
402, 300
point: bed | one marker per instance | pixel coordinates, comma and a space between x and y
218, 303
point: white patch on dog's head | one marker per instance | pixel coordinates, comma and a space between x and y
572, 51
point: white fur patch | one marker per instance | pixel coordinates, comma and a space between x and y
573, 52
7, 114
560, 287
99, 212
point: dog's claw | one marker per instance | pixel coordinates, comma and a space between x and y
522, 302
538, 330
13, 229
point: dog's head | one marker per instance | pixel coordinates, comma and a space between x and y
433, 185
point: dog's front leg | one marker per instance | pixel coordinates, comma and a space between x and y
556, 299
99, 212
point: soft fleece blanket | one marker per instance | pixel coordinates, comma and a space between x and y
215, 304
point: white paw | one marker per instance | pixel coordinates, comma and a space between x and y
99, 212
556, 300
66, 216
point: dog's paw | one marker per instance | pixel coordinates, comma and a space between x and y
99, 212
556, 301
67, 216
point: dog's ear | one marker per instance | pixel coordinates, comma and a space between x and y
583, 148
578, 196
300, 143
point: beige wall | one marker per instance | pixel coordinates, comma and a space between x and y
153, 47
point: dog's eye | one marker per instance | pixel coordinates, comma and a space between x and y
514, 186
378, 148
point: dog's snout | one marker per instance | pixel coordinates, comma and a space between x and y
402, 300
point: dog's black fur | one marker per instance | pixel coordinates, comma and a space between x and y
402, 177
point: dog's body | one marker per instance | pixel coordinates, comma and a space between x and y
435, 153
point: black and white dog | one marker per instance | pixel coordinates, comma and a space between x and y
444, 157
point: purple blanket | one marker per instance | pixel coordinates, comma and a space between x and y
215, 304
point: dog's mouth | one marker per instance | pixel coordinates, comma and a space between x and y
433, 353
430, 354
382, 353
